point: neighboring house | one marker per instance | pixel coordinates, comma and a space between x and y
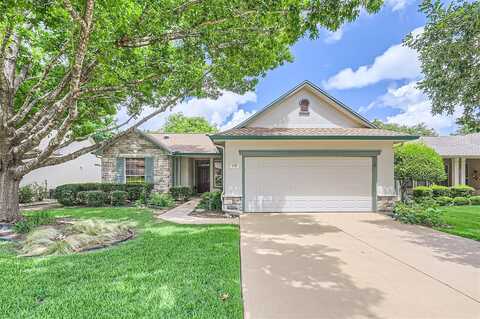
83, 169
461, 155
305, 152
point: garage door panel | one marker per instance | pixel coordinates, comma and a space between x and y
308, 184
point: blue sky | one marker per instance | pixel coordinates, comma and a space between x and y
363, 64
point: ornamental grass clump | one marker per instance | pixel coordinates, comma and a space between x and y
76, 237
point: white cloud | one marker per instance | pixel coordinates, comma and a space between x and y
237, 118
397, 5
216, 111
333, 36
414, 107
396, 63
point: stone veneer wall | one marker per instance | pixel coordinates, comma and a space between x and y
132, 146
385, 203
232, 203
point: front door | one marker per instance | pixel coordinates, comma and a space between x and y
203, 176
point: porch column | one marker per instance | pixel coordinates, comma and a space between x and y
463, 173
455, 171
211, 174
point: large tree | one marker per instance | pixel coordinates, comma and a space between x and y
179, 123
65, 65
449, 51
420, 129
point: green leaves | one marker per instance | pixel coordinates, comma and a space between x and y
418, 162
179, 123
449, 51
419, 129
151, 51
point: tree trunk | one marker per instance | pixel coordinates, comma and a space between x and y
9, 210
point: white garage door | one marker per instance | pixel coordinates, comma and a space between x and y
308, 184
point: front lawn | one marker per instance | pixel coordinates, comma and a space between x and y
464, 221
167, 271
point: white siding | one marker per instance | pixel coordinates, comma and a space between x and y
84, 169
322, 113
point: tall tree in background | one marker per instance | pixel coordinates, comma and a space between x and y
449, 50
65, 65
179, 123
419, 129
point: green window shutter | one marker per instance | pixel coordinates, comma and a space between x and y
149, 170
120, 170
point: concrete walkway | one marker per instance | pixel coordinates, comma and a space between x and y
355, 265
180, 215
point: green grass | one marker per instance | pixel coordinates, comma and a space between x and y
167, 271
464, 221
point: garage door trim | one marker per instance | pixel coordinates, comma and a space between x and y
314, 153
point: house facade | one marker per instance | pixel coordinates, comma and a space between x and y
304, 152
166, 160
461, 157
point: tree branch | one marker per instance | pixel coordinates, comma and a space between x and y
74, 14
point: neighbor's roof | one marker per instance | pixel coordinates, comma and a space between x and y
311, 133
458, 145
184, 143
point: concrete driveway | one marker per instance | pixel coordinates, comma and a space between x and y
355, 265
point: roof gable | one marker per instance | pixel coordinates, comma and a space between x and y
324, 111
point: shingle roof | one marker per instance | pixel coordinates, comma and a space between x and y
461, 145
185, 143
334, 133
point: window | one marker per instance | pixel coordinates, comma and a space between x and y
304, 103
217, 174
134, 170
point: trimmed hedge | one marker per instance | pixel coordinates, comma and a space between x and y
461, 191
444, 200
475, 200
181, 193
422, 192
118, 198
96, 198
67, 194
461, 201
439, 190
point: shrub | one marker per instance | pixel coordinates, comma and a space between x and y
25, 194
417, 214
211, 201
181, 193
118, 198
439, 190
461, 201
475, 200
162, 200
67, 194
422, 192
81, 198
461, 191
96, 198
444, 200
416, 161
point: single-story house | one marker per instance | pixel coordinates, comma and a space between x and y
461, 156
304, 152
